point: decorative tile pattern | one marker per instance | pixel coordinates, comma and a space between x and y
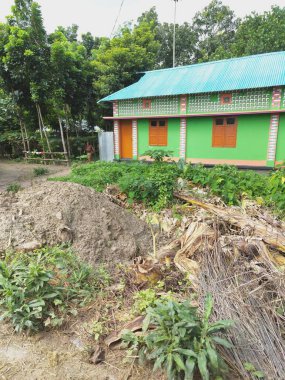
116, 137
135, 138
164, 105
182, 153
273, 132
248, 100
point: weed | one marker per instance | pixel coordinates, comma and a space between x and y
181, 342
41, 288
249, 367
13, 187
40, 171
144, 299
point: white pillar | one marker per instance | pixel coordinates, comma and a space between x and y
135, 139
116, 139
272, 142
183, 126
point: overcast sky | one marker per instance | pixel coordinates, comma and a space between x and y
98, 16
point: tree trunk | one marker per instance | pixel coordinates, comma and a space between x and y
40, 124
43, 128
62, 138
23, 137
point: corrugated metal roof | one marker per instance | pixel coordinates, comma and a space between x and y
255, 71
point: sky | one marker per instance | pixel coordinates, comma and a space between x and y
99, 16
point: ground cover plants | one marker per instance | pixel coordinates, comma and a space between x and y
180, 341
41, 288
154, 184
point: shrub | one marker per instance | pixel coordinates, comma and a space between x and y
154, 186
181, 342
40, 171
41, 288
158, 154
13, 187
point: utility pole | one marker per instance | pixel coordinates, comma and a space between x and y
174, 32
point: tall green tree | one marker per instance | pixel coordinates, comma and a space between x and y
118, 61
215, 27
260, 33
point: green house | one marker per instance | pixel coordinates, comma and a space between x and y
224, 112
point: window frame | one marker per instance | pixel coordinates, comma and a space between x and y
223, 96
165, 127
146, 104
225, 125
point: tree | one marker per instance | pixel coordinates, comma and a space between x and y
70, 32
215, 28
260, 33
185, 44
118, 61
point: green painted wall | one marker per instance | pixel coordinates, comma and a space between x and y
252, 139
173, 137
280, 149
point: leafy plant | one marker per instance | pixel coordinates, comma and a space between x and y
252, 370
13, 187
40, 171
158, 154
41, 288
144, 299
181, 342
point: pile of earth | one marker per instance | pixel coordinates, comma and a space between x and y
55, 212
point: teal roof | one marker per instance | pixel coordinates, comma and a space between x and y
255, 71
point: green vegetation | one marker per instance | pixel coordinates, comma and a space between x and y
56, 79
158, 154
232, 184
40, 171
41, 288
154, 184
181, 341
13, 188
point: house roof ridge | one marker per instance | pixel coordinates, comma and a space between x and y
214, 62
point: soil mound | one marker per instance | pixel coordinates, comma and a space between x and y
56, 212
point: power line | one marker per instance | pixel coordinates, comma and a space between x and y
121, 6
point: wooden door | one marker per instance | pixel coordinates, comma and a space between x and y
126, 139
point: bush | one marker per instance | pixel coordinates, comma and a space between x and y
13, 187
180, 341
158, 154
153, 186
41, 288
40, 171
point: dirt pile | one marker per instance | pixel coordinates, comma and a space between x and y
55, 212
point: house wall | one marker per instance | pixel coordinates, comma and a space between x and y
247, 100
173, 137
280, 148
252, 139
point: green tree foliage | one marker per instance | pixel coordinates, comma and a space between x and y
260, 33
118, 61
215, 28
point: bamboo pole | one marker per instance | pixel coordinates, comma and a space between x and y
62, 138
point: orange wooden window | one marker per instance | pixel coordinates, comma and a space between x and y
226, 98
224, 132
146, 104
158, 132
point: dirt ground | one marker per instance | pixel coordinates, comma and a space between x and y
63, 355
100, 231
22, 173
